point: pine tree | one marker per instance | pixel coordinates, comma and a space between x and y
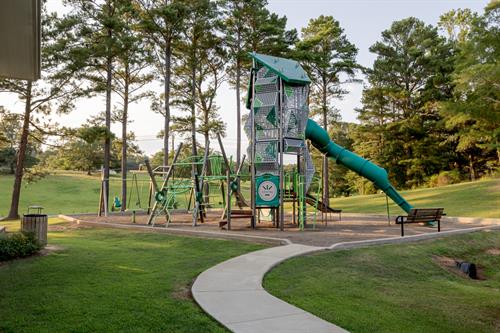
163, 21
249, 26
328, 57
129, 78
55, 92
197, 51
400, 115
99, 27
472, 116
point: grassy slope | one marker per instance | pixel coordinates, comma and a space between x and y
396, 288
477, 199
76, 193
108, 280
63, 193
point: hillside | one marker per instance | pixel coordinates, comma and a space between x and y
78, 193
475, 199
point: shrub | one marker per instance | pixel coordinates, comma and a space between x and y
445, 178
18, 245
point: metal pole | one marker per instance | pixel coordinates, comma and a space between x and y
281, 169
228, 174
297, 190
154, 184
388, 213
101, 195
223, 152
105, 188
252, 147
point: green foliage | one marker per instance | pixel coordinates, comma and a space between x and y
198, 73
457, 23
186, 155
445, 178
83, 150
327, 56
401, 127
250, 26
35, 174
358, 184
18, 245
472, 114
10, 136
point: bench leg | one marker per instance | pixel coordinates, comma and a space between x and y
439, 225
402, 229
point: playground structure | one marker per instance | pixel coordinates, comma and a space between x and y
278, 125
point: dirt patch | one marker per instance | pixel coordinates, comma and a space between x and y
49, 249
42, 253
57, 227
183, 291
67, 226
450, 265
493, 251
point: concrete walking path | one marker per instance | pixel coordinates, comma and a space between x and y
232, 293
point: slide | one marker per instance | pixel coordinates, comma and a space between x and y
320, 139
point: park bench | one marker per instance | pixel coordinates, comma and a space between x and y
421, 215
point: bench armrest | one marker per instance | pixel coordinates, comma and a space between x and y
400, 219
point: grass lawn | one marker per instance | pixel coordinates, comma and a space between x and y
72, 192
68, 193
62, 193
475, 199
397, 288
109, 280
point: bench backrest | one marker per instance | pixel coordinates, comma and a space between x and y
424, 214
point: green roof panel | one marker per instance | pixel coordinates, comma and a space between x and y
289, 70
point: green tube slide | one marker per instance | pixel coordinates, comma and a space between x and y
320, 139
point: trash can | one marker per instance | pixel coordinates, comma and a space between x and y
36, 223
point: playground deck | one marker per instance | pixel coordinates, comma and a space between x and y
352, 227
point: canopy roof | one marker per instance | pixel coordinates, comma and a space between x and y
288, 70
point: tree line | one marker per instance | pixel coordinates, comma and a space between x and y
430, 100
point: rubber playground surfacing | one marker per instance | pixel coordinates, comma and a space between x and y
352, 227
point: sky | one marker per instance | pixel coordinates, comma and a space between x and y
362, 20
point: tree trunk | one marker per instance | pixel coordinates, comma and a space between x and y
326, 190
21, 154
193, 110
107, 140
472, 171
166, 129
498, 150
124, 140
206, 189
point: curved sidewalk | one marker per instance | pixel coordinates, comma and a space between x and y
232, 293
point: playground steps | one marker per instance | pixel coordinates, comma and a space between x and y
290, 195
237, 214
321, 205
